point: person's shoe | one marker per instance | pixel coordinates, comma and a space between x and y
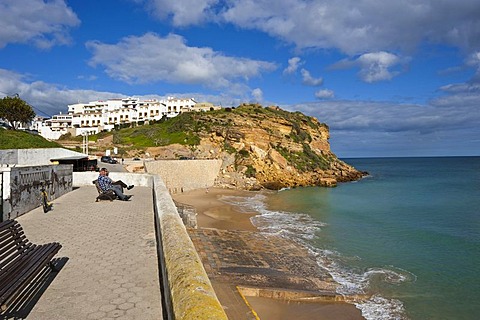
127, 198
130, 187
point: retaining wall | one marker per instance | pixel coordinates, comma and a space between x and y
21, 187
185, 175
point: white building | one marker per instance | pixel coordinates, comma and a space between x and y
97, 116
203, 107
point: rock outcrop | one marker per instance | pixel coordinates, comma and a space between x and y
264, 148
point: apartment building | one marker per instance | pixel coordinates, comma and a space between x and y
96, 116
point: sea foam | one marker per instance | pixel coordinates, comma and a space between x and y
302, 228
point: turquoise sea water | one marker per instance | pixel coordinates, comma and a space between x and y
408, 234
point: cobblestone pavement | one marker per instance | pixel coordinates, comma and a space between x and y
244, 258
109, 266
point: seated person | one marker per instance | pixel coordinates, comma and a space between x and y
106, 183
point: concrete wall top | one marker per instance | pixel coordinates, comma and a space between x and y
34, 157
137, 179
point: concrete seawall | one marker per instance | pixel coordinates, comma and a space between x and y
190, 289
185, 175
187, 288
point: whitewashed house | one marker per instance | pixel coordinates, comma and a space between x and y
97, 116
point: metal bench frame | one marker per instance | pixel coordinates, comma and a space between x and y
20, 261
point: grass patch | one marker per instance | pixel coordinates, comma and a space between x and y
15, 139
304, 161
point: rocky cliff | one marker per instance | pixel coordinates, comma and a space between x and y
262, 148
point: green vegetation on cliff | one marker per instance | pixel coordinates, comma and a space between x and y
189, 128
15, 139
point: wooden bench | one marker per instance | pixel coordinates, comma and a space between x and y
20, 261
104, 195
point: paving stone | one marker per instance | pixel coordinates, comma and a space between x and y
104, 244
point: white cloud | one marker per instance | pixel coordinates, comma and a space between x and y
44, 24
151, 58
308, 80
182, 13
324, 94
293, 64
46, 98
376, 66
257, 95
354, 27
474, 59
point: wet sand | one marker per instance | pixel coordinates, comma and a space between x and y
213, 213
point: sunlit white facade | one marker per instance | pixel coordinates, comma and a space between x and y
97, 116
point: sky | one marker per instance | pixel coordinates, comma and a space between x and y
389, 78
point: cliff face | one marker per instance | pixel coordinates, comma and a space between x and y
264, 147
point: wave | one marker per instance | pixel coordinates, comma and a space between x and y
302, 228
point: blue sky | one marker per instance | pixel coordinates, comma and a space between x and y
390, 78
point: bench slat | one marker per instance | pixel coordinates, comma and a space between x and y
14, 266
7, 224
12, 239
13, 254
20, 260
28, 269
12, 243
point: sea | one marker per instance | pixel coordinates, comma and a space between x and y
407, 235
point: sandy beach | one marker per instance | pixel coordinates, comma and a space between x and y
213, 213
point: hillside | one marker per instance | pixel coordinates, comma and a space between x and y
16, 139
260, 147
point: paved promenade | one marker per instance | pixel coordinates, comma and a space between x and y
109, 266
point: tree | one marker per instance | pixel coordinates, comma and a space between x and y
15, 111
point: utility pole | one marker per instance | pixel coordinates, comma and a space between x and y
85, 143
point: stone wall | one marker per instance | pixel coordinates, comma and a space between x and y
185, 175
21, 187
188, 214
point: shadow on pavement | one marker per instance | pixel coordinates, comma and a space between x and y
25, 302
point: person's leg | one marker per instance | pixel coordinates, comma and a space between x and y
123, 184
120, 183
119, 192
